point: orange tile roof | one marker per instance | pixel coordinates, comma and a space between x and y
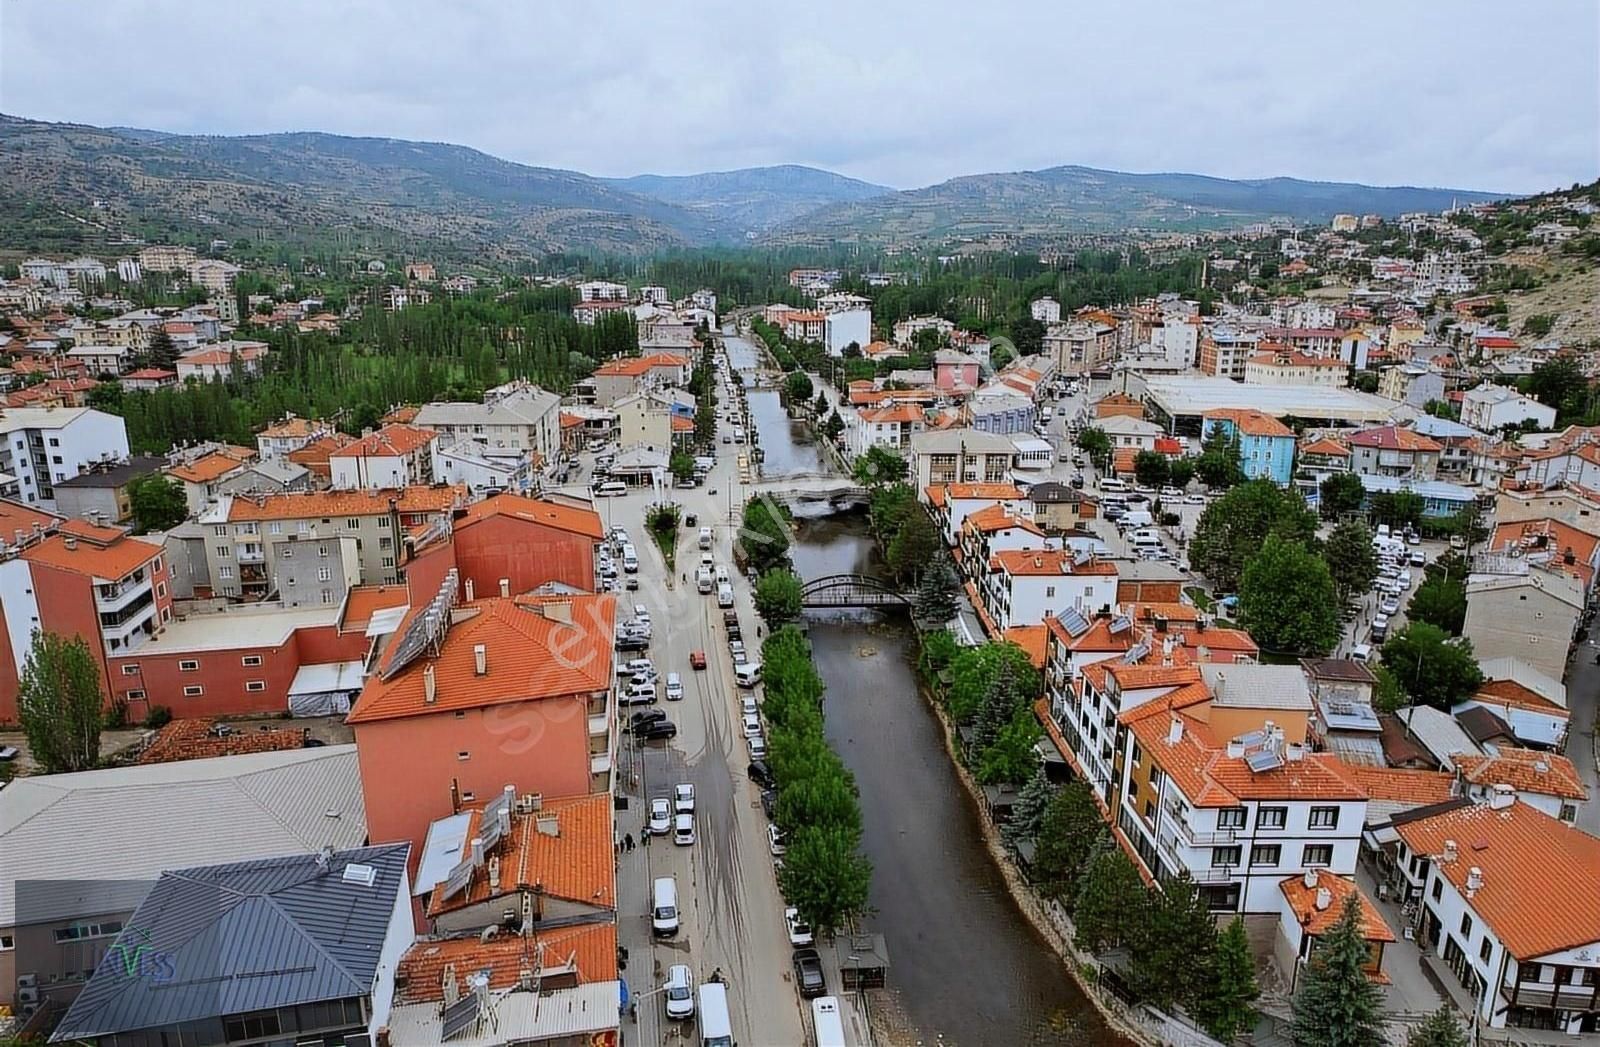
299, 505
207, 468
999, 492
15, 517
1122, 459
1030, 638
366, 600
292, 428
1326, 446
1318, 921
402, 415
1250, 422
634, 366
591, 947
1283, 356
1393, 438
1510, 692
1141, 676
552, 514
1553, 535
107, 559
93, 532
315, 455
574, 863
1397, 785
995, 518
935, 493
150, 374
193, 740
901, 413
392, 441
1525, 770
1046, 562
530, 656
1529, 861
1099, 636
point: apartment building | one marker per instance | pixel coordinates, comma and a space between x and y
1045, 310
589, 313
1224, 350
1266, 445
517, 415
203, 474
100, 493
1026, 586
1281, 365
991, 530
1490, 407
1484, 878
508, 544
1389, 450
488, 692
483, 470
392, 457
947, 456
220, 361
625, 376
602, 291
165, 258
84, 580
952, 503
890, 427
1546, 781
1527, 613
42, 446
283, 438
1059, 508
1531, 704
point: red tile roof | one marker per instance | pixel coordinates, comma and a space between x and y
205, 469
193, 740
150, 374
995, 518
1393, 438
1525, 770
366, 600
898, 413
94, 555
1046, 562
1031, 638
293, 428
1317, 921
1250, 422
1510, 692
531, 655
392, 441
15, 517
998, 492
571, 859
1418, 788
1538, 893
300, 505
551, 514
1326, 446
590, 947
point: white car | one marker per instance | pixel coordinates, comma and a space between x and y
641, 612
635, 666
747, 705
678, 991
1171, 492
1405, 579
1390, 606
683, 830
752, 725
799, 930
775, 841
674, 687
1194, 499
660, 816
1417, 559
683, 798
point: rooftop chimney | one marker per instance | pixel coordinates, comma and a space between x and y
480, 659
1502, 797
505, 587
430, 688
1474, 880
548, 825
70, 542
477, 852
1310, 879
1175, 731
1324, 897
469, 590
1450, 851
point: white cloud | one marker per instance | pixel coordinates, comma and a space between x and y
1471, 94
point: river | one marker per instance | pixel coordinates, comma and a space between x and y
966, 968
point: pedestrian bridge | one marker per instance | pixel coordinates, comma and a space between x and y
812, 487
851, 590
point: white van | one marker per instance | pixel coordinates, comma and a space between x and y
611, 489
747, 675
826, 1022
722, 575
630, 559
705, 537
705, 462
1137, 518
724, 595
1144, 538
1362, 652
1113, 484
716, 1029
664, 907
703, 581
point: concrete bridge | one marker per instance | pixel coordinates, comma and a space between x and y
812, 487
851, 590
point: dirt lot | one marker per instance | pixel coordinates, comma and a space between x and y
126, 741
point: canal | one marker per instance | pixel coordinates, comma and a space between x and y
966, 968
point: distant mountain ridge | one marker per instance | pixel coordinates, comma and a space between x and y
72, 186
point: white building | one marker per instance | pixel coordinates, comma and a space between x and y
392, 457
845, 326
165, 258
1509, 899
1532, 704
1123, 431
128, 270
655, 295
1045, 310
483, 470
517, 415
1489, 407
602, 291
214, 275
1025, 586
41, 446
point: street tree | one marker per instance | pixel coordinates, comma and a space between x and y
974, 667
1430, 667
1111, 899
1440, 1029
1440, 601
879, 467
937, 597
1180, 471
1013, 755
825, 799
825, 876
1093, 441
1218, 465
681, 465
797, 389
1172, 947
1151, 469
1287, 599
1340, 493
916, 544
60, 704
1232, 528
1351, 559
1027, 814
1224, 1004
1065, 840
157, 502
778, 597
1336, 1004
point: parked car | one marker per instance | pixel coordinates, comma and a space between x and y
683, 830
1194, 499
683, 798
799, 930
808, 977
678, 991
1171, 492
660, 816
747, 705
641, 719
659, 729
752, 725
761, 774
775, 841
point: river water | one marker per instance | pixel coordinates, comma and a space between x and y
965, 967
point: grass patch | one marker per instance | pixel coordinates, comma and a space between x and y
662, 523
1200, 598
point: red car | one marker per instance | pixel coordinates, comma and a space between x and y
697, 659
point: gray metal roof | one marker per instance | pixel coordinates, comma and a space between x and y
227, 939
127, 825
1257, 686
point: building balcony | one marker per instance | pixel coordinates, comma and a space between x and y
109, 599
252, 553
1564, 997
600, 763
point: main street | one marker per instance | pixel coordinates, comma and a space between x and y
731, 909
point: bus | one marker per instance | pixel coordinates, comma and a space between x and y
826, 1025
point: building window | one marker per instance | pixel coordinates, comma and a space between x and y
1231, 818
1324, 817
1317, 854
353, 523
255, 685
327, 596
322, 551
1438, 889
1485, 949
225, 571
80, 931
135, 696
1265, 854
323, 574
194, 690
388, 561
250, 660
161, 590
1466, 926
1569, 813
463, 755
155, 566
130, 669
385, 542
189, 665
383, 521
1272, 817
275, 527
286, 551
223, 552
1224, 857
7, 943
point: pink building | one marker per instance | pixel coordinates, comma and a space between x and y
953, 370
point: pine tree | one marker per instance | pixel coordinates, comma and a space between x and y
1440, 1029
1027, 814
1065, 841
995, 711
1172, 948
936, 593
1336, 1004
1111, 899
1223, 1005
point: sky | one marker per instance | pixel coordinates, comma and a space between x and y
1474, 94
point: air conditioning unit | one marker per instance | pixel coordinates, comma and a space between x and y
27, 981
27, 996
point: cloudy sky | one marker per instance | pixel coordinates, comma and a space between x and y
1466, 93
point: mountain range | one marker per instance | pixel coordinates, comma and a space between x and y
70, 185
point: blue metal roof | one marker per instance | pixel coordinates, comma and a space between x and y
225, 939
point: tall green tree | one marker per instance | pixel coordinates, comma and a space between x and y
1093, 441
157, 502
681, 465
1232, 528
1027, 814
1150, 468
1340, 493
825, 876
1112, 899
1219, 463
1440, 1029
916, 544
1441, 602
1430, 667
778, 597
60, 703
797, 389
765, 535
1224, 1004
879, 467
1065, 841
1351, 559
1013, 755
1287, 599
1336, 1004
937, 599
974, 668
1171, 949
